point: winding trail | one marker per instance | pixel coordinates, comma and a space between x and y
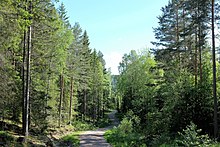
96, 138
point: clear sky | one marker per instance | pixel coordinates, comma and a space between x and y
116, 26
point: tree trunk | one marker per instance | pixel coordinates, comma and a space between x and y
71, 101
94, 106
23, 81
27, 81
27, 93
214, 75
85, 104
196, 61
61, 98
103, 110
98, 106
24, 85
200, 54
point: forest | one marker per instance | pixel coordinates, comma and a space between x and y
52, 83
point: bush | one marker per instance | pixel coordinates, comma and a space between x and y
124, 135
83, 126
103, 122
71, 140
162, 140
118, 139
125, 127
191, 137
6, 138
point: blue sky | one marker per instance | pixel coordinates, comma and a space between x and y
116, 26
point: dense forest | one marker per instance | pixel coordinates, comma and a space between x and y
166, 96
170, 92
49, 74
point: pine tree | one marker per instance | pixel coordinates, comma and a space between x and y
214, 73
84, 78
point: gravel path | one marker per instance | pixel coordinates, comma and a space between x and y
95, 138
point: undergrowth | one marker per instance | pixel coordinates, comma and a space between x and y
6, 138
71, 139
83, 126
125, 135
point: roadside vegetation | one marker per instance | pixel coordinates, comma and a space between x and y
127, 134
168, 95
53, 84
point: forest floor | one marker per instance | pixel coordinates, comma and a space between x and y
12, 135
96, 138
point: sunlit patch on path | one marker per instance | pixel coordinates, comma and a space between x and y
96, 138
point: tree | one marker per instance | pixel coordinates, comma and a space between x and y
182, 52
136, 84
214, 73
85, 71
26, 79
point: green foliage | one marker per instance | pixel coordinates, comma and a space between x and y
56, 48
103, 122
119, 139
71, 139
6, 138
125, 127
137, 72
160, 94
83, 126
162, 140
191, 136
125, 134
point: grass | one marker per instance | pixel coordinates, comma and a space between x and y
71, 139
118, 139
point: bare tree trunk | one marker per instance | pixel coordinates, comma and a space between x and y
196, 61
24, 85
214, 75
103, 110
196, 48
94, 106
200, 54
27, 81
85, 104
23, 81
61, 98
71, 101
98, 106
27, 90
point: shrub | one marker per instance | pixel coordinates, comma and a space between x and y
125, 134
82, 126
191, 137
162, 140
71, 140
6, 138
125, 127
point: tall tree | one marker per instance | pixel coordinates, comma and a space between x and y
27, 80
85, 70
214, 73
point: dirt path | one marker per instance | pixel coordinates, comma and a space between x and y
95, 138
